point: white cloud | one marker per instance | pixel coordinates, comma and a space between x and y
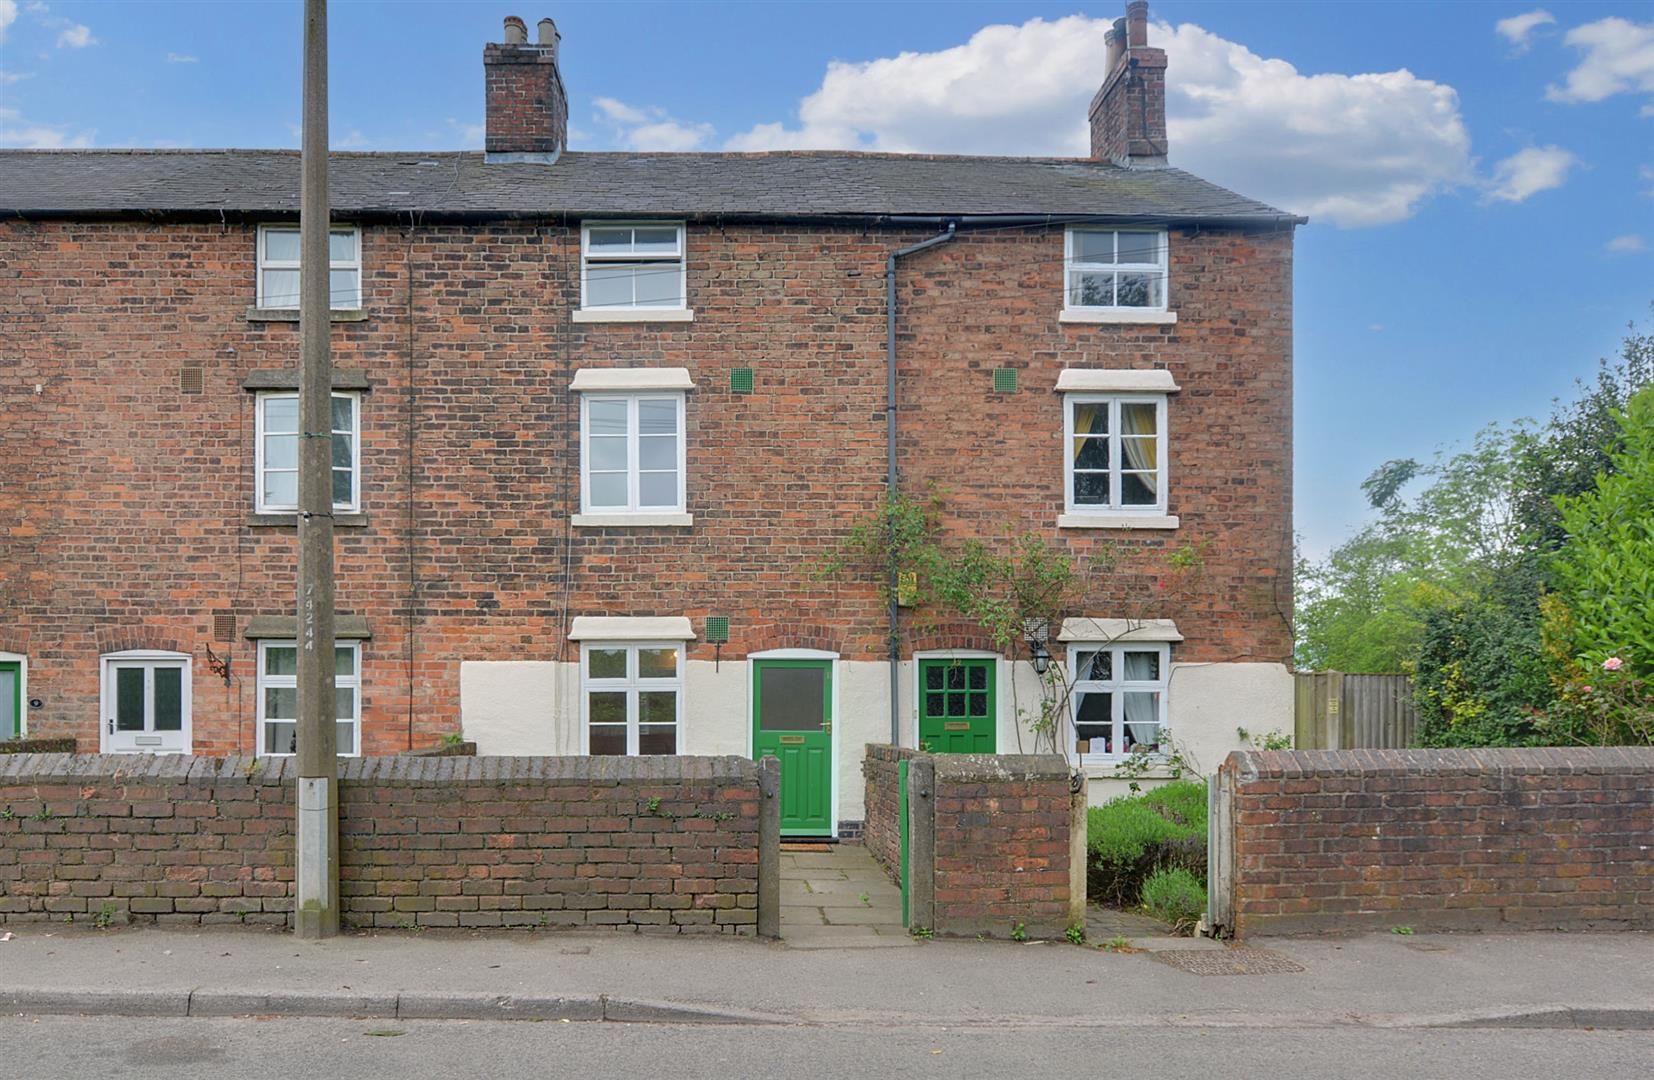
353, 141
1618, 58
9, 77
8, 15
76, 37
649, 128
1519, 29
1528, 172
1629, 244
1351, 149
19, 133
180, 58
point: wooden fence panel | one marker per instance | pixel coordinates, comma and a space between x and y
1335, 711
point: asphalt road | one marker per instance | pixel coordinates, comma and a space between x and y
47, 1048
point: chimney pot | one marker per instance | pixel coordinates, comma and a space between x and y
1128, 115
1115, 46
1137, 23
516, 31
548, 33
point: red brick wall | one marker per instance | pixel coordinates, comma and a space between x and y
666, 844
882, 831
1441, 839
124, 502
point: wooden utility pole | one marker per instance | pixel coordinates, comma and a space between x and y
317, 828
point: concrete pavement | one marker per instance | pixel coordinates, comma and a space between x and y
1381, 980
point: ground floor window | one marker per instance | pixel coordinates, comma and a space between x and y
278, 697
1119, 699
631, 697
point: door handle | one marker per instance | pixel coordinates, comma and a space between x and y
111, 725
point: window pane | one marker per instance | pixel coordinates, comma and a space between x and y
979, 704
608, 286
606, 453
1091, 489
608, 707
978, 677
657, 707
341, 451
281, 738
608, 489
1138, 418
281, 414
345, 738
1139, 489
933, 678
792, 699
606, 664
934, 703
344, 413
281, 703
1091, 418
1096, 666
657, 739
281, 489
657, 416
1142, 721
1143, 666
1091, 453
1093, 723
281, 288
609, 239
956, 704
281, 451
344, 288
129, 699
1092, 246
1139, 247
344, 703
281, 660
343, 489
658, 452
281, 245
657, 284
608, 740
657, 489
169, 699
1138, 290
657, 663
341, 245
653, 240
1091, 290
956, 677
606, 416
344, 660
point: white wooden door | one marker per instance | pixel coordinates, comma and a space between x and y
146, 704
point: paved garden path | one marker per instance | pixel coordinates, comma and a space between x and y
837, 897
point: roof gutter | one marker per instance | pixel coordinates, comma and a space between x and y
890, 477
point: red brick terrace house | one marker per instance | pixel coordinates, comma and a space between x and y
598, 414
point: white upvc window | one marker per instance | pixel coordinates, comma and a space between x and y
276, 453
631, 698
1115, 453
1115, 269
632, 456
633, 266
1118, 703
278, 697
278, 267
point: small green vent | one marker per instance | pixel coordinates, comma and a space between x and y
740, 381
717, 626
1005, 380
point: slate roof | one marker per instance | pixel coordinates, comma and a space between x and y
88, 183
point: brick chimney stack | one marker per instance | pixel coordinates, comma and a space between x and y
1128, 115
527, 109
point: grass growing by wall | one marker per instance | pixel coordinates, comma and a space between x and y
1131, 837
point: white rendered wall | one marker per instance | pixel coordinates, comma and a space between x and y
512, 706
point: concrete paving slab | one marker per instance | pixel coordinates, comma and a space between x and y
858, 916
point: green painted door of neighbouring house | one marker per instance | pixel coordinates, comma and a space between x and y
956, 706
792, 720
11, 699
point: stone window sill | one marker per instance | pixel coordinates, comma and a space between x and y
1124, 317
258, 314
635, 315
291, 521
630, 521
1117, 521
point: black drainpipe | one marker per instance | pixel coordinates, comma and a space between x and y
890, 464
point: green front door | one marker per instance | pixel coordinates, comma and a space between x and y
956, 706
11, 699
792, 720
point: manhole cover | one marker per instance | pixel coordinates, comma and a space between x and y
1235, 961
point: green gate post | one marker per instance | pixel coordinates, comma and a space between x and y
901, 815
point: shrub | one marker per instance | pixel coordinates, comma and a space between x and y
1131, 837
1175, 895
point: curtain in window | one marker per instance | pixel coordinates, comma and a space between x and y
1090, 420
1142, 710
1136, 419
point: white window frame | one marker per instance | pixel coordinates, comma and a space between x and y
630, 685
1115, 507
587, 258
265, 263
633, 504
279, 682
259, 504
1117, 687
1160, 268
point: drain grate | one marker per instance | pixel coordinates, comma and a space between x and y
1234, 961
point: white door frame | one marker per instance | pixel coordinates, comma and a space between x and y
106, 702
833, 740
22, 663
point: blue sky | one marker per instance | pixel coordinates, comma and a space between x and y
1480, 175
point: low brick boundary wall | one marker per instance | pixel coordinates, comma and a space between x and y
1314, 841
991, 840
673, 844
